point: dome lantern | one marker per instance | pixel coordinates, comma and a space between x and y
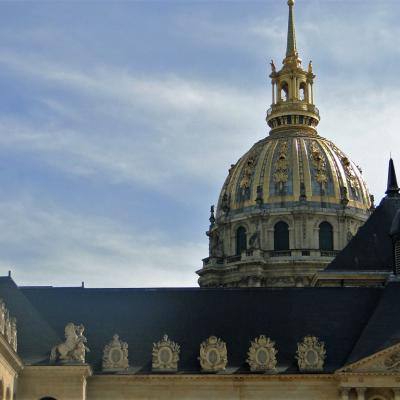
292, 89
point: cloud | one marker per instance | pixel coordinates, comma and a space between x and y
42, 241
137, 123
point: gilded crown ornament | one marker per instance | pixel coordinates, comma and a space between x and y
213, 355
165, 355
262, 355
115, 355
311, 354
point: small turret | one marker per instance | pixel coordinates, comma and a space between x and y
392, 187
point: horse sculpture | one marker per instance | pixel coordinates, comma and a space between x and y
74, 348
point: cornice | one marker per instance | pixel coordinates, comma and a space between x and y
215, 377
10, 355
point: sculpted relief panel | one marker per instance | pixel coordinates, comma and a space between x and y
165, 355
115, 355
213, 355
311, 354
8, 326
262, 355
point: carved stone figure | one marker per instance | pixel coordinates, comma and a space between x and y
8, 334
212, 217
392, 363
262, 355
213, 355
73, 349
115, 355
13, 341
254, 241
273, 67
165, 355
3, 311
311, 354
310, 68
225, 203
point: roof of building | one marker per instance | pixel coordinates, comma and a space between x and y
371, 248
336, 316
383, 328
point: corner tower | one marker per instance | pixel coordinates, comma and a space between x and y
293, 201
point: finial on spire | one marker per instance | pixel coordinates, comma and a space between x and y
291, 37
392, 187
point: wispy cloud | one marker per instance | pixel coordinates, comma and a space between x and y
71, 248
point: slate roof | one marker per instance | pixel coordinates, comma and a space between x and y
190, 315
383, 328
371, 249
34, 334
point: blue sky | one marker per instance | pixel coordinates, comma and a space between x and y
119, 121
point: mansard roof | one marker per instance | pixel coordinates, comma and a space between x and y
383, 328
336, 316
371, 249
34, 334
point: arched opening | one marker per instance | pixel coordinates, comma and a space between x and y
241, 240
1, 390
284, 91
302, 92
281, 236
8, 394
325, 236
47, 398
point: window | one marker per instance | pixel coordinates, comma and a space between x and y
302, 91
281, 236
325, 236
284, 91
241, 240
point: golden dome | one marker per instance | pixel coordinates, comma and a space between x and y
292, 201
293, 169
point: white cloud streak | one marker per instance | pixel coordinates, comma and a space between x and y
71, 248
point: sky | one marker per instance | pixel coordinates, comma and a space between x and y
119, 121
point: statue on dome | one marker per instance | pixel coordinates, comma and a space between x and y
254, 241
273, 68
310, 70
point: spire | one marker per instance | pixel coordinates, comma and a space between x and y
291, 36
392, 187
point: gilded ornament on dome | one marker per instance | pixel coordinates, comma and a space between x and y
350, 175
262, 355
213, 355
115, 355
165, 355
281, 175
319, 165
311, 354
247, 173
